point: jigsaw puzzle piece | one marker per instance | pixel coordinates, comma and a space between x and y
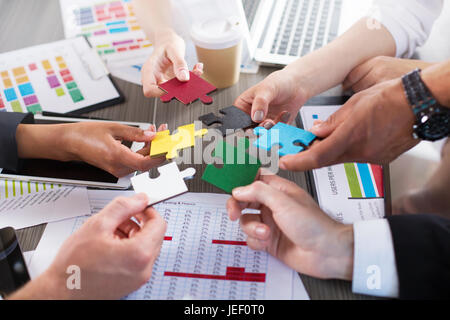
164, 143
284, 135
170, 183
188, 91
239, 168
232, 118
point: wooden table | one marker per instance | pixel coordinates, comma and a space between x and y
30, 22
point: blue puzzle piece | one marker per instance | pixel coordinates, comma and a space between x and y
284, 135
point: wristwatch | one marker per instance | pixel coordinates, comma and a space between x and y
432, 119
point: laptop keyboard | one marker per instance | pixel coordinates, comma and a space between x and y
305, 25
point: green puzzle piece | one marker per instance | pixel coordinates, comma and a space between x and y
239, 168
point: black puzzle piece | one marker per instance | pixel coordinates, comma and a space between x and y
233, 118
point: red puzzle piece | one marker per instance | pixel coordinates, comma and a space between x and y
189, 91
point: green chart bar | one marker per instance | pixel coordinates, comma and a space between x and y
353, 181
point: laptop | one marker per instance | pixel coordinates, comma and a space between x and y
283, 30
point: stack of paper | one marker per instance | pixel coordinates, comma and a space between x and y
204, 254
25, 204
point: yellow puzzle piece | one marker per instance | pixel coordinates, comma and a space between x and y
164, 143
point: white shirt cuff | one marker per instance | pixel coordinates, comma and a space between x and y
374, 268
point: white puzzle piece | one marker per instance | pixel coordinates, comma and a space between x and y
170, 183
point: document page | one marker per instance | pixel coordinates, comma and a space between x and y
204, 254
348, 192
26, 204
59, 77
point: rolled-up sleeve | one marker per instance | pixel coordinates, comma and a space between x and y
9, 121
408, 21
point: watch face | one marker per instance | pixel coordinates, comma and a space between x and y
434, 125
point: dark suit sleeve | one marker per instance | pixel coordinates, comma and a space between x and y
422, 254
8, 146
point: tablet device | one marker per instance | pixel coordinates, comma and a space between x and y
72, 172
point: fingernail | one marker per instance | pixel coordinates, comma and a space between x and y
282, 165
236, 191
318, 126
268, 125
285, 117
165, 126
200, 66
258, 116
149, 133
183, 75
260, 231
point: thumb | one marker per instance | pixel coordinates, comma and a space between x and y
324, 128
121, 209
180, 67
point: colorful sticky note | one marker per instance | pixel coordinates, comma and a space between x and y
15, 105
7, 83
4, 74
35, 108
60, 92
64, 72
53, 81
46, 64
76, 95
30, 100
71, 85
18, 71
68, 79
10, 94
32, 66
26, 89
22, 80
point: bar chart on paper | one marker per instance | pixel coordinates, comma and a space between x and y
364, 180
24, 204
204, 255
11, 188
347, 192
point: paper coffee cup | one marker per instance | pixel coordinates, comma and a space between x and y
218, 43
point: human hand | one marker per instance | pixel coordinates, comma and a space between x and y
292, 228
277, 98
380, 69
97, 143
166, 62
100, 144
375, 126
114, 254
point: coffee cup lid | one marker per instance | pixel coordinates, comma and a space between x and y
218, 33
